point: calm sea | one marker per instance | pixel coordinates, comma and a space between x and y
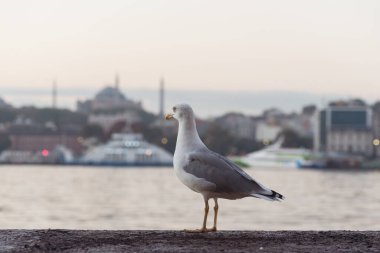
153, 198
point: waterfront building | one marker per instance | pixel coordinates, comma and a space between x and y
267, 132
238, 125
376, 128
42, 148
31, 142
344, 127
39, 142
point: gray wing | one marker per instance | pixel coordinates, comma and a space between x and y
222, 172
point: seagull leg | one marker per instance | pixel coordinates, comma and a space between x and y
216, 207
203, 229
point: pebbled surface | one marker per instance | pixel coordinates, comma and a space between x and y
177, 241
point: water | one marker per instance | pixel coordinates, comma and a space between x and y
107, 198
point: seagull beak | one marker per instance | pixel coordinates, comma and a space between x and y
169, 116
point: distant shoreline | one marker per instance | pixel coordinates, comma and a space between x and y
178, 241
165, 166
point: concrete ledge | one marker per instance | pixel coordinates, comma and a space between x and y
176, 241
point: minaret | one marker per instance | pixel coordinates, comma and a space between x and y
54, 106
54, 94
117, 81
161, 97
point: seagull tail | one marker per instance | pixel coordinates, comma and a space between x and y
273, 196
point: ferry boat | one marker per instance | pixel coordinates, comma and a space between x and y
127, 150
274, 156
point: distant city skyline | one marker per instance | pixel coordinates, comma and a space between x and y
321, 48
208, 103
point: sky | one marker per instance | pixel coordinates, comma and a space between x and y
316, 49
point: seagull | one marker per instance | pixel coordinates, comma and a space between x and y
208, 173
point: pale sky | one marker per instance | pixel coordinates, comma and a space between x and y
319, 47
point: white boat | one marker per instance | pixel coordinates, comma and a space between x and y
274, 156
127, 150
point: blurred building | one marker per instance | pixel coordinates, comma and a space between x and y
34, 146
111, 98
39, 142
238, 125
346, 127
109, 119
303, 123
110, 106
376, 128
267, 127
267, 132
108, 99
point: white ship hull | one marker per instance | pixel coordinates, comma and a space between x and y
127, 150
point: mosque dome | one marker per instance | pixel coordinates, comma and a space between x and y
110, 93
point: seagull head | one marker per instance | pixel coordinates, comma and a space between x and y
181, 112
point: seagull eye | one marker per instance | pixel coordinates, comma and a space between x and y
174, 108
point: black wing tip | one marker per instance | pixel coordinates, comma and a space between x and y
277, 195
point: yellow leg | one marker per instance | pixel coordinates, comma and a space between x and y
205, 216
216, 208
203, 229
